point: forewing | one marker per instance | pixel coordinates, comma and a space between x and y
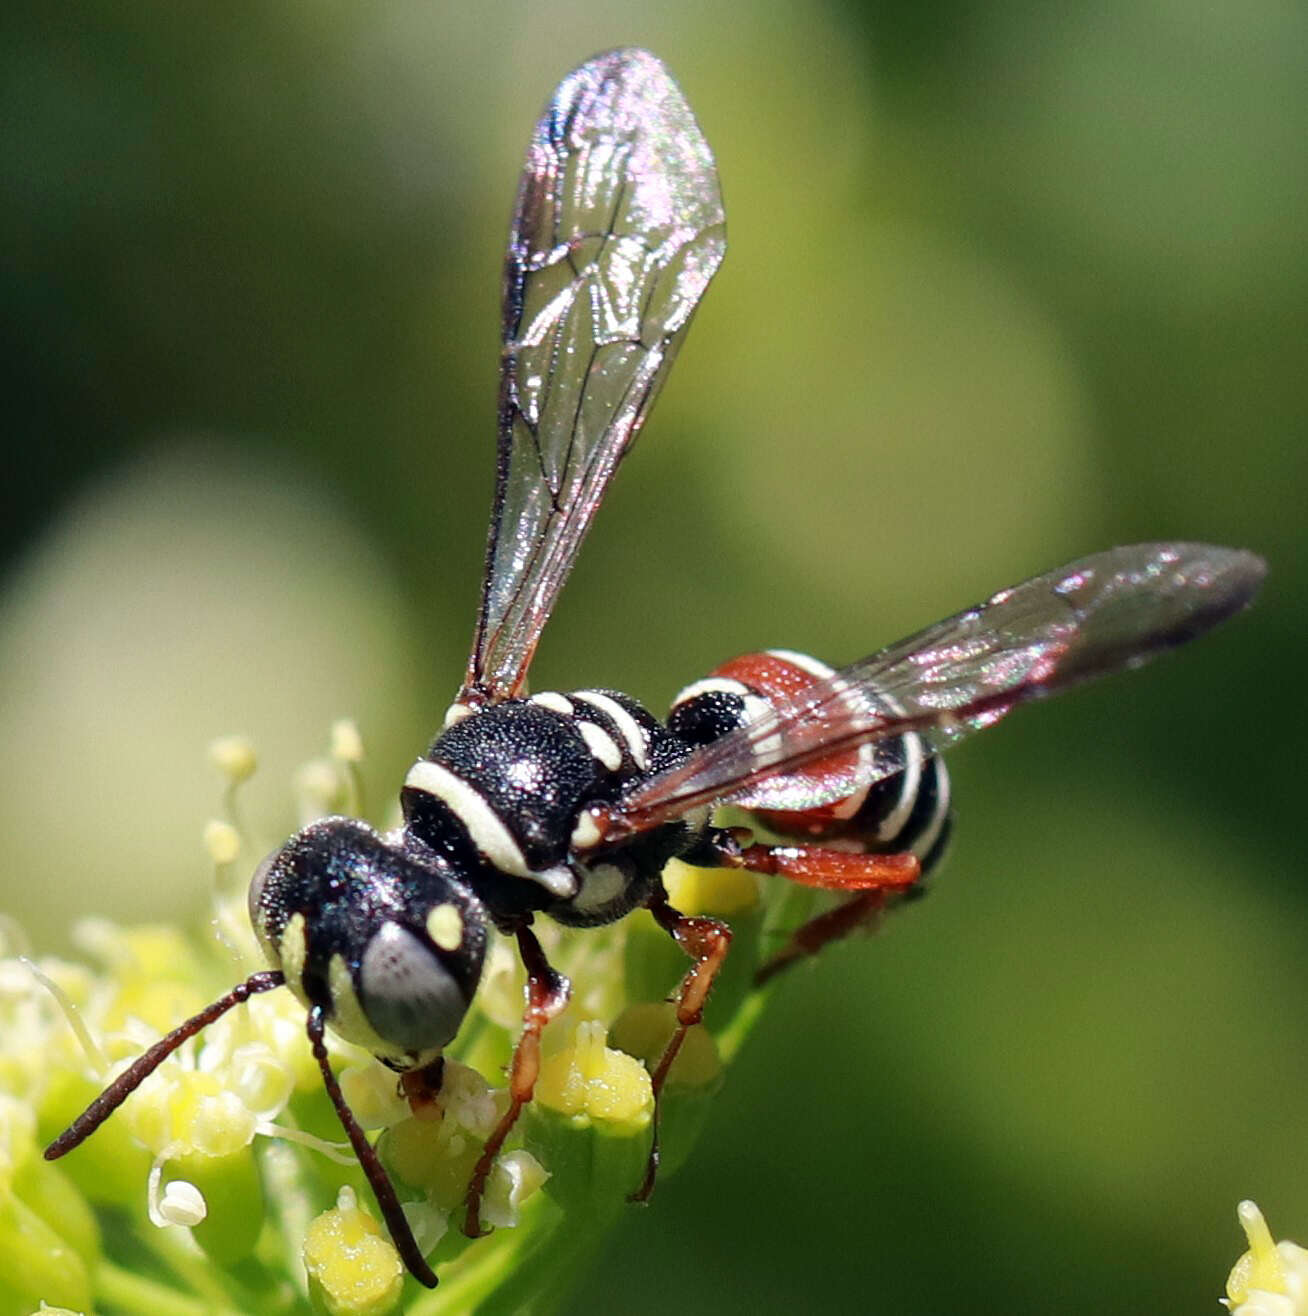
617, 232
1109, 611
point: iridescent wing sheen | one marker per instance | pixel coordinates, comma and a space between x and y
1103, 613
617, 232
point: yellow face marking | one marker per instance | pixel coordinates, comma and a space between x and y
292, 951
348, 1019
445, 926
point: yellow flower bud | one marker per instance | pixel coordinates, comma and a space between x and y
234, 757
353, 1269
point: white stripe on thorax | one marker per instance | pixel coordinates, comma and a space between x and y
602, 746
554, 701
630, 730
485, 830
492, 839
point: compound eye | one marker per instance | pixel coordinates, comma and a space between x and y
255, 901
410, 996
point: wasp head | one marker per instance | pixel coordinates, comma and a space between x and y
376, 931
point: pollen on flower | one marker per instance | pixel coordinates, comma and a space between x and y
276, 1019
258, 1077
587, 1080
185, 1111
1270, 1279
371, 1093
353, 1268
468, 1098
437, 1156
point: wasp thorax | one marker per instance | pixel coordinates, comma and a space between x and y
379, 934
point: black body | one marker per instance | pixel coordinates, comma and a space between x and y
570, 805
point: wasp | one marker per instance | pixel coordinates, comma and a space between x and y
569, 805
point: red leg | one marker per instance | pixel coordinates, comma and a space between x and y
832, 870
873, 877
706, 941
547, 995
809, 938
421, 1088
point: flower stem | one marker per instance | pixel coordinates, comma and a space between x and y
119, 1287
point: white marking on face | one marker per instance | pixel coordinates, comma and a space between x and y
293, 950
600, 886
602, 746
348, 1018
554, 701
628, 728
485, 830
445, 926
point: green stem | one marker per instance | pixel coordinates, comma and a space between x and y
220, 1292
502, 1269
148, 1297
732, 1037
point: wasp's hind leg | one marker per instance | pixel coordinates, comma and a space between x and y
872, 878
547, 996
862, 913
706, 941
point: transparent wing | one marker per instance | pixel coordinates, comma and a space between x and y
617, 232
1109, 611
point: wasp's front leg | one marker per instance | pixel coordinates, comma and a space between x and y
548, 992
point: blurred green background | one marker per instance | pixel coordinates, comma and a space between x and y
1007, 283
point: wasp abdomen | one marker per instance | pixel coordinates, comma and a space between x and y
906, 806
